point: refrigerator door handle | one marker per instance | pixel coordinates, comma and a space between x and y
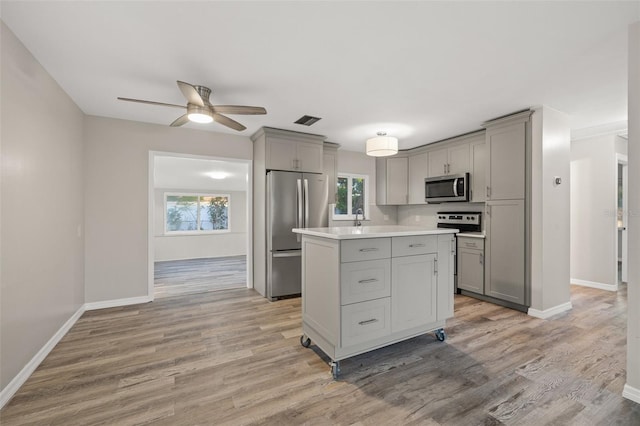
286, 253
306, 203
299, 196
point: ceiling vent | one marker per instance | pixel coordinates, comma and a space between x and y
307, 120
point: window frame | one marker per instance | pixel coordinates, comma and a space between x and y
194, 232
349, 215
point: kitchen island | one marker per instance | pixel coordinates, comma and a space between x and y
371, 286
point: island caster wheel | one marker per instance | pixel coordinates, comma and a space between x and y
441, 335
305, 341
335, 369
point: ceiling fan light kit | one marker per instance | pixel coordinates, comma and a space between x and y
200, 110
382, 145
198, 114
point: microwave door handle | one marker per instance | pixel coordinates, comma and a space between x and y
455, 187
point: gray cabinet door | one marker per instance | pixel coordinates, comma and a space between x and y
479, 172
418, 167
397, 180
506, 168
470, 270
505, 250
413, 291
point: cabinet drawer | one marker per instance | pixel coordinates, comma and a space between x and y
365, 321
471, 243
415, 244
361, 281
365, 249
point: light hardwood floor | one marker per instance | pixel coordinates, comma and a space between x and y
177, 277
231, 357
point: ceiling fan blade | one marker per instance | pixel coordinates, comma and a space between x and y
183, 119
226, 121
239, 109
190, 92
151, 102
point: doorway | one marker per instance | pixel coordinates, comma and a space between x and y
199, 224
621, 222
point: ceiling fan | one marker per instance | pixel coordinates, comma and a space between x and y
200, 110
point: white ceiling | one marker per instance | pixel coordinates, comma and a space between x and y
195, 174
422, 71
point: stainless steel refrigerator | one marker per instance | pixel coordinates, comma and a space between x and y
294, 200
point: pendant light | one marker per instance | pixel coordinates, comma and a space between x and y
382, 145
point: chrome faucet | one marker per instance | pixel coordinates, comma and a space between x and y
358, 222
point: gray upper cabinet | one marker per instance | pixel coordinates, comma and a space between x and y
392, 180
330, 168
478, 152
418, 170
449, 161
506, 166
292, 151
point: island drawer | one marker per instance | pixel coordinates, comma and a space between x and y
365, 249
413, 245
365, 321
362, 281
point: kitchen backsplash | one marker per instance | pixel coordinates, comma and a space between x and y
380, 215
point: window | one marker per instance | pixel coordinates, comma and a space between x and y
352, 193
196, 213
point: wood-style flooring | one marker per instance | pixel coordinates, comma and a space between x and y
231, 357
177, 277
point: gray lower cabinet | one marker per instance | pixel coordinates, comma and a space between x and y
470, 260
505, 251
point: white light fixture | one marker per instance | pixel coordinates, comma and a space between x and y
218, 175
198, 114
382, 145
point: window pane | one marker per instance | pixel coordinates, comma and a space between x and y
357, 194
214, 213
182, 211
341, 196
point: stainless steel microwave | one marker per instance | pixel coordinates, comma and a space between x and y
446, 188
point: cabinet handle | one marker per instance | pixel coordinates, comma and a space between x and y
488, 210
435, 266
369, 321
470, 245
416, 245
365, 250
368, 281
481, 259
488, 192
453, 246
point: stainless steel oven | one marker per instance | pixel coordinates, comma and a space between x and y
465, 222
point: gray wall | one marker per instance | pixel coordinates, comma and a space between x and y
550, 207
593, 210
117, 181
633, 302
41, 264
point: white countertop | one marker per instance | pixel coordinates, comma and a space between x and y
356, 232
471, 234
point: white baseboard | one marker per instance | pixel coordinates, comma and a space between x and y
631, 393
7, 393
594, 284
92, 306
547, 313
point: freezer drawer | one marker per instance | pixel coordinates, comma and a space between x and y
284, 274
